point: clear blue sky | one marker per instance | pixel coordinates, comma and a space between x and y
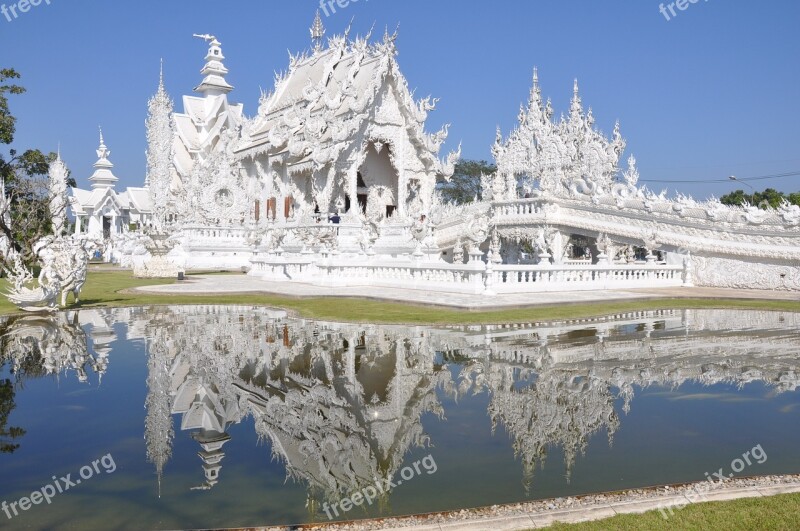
710, 93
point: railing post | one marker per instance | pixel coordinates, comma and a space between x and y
487, 276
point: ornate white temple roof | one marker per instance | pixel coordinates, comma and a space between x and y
87, 201
103, 195
199, 127
318, 108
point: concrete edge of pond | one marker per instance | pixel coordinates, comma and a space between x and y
669, 499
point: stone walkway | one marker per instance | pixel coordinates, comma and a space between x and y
228, 284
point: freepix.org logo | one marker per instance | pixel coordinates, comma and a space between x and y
12, 12
382, 486
669, 10
60, 485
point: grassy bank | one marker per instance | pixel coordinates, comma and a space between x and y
111, 289
774, 512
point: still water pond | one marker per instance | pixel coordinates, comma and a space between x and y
156, 418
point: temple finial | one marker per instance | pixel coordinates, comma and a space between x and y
161, 74
536, 93
317, 31
576, 108
214, 83
102, 142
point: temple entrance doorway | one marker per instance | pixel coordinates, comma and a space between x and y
378, 182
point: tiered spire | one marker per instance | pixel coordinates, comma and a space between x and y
214, 71
576, 107
317, 32
160, 150
58, 194
103, 177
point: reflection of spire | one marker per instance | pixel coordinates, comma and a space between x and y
212, 455
159, 431
559, 409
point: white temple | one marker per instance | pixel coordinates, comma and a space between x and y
333, 182
102, 213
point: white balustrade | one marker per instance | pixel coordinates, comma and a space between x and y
474, 277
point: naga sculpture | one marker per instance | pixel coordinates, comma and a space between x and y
64, 264
63, 260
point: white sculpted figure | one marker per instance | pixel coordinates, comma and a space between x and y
73, 264
42, 298
64, 264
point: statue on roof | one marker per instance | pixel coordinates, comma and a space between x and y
208, 38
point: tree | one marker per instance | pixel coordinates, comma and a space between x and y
465, 185
736, 198
769, 198
8, 434
24, 176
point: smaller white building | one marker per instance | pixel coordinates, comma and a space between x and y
102, 212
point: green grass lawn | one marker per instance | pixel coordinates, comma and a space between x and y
107, 288
774, 512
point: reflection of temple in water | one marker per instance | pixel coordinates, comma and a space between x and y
341, 404
54, 345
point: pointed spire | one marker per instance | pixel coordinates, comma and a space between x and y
161, 75
103, 177
576, 108
389, 40
317, 32
368, 36
160, 137
57, 186
348, 29
536, 93
214, 71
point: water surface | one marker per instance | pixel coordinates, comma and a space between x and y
234, 416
